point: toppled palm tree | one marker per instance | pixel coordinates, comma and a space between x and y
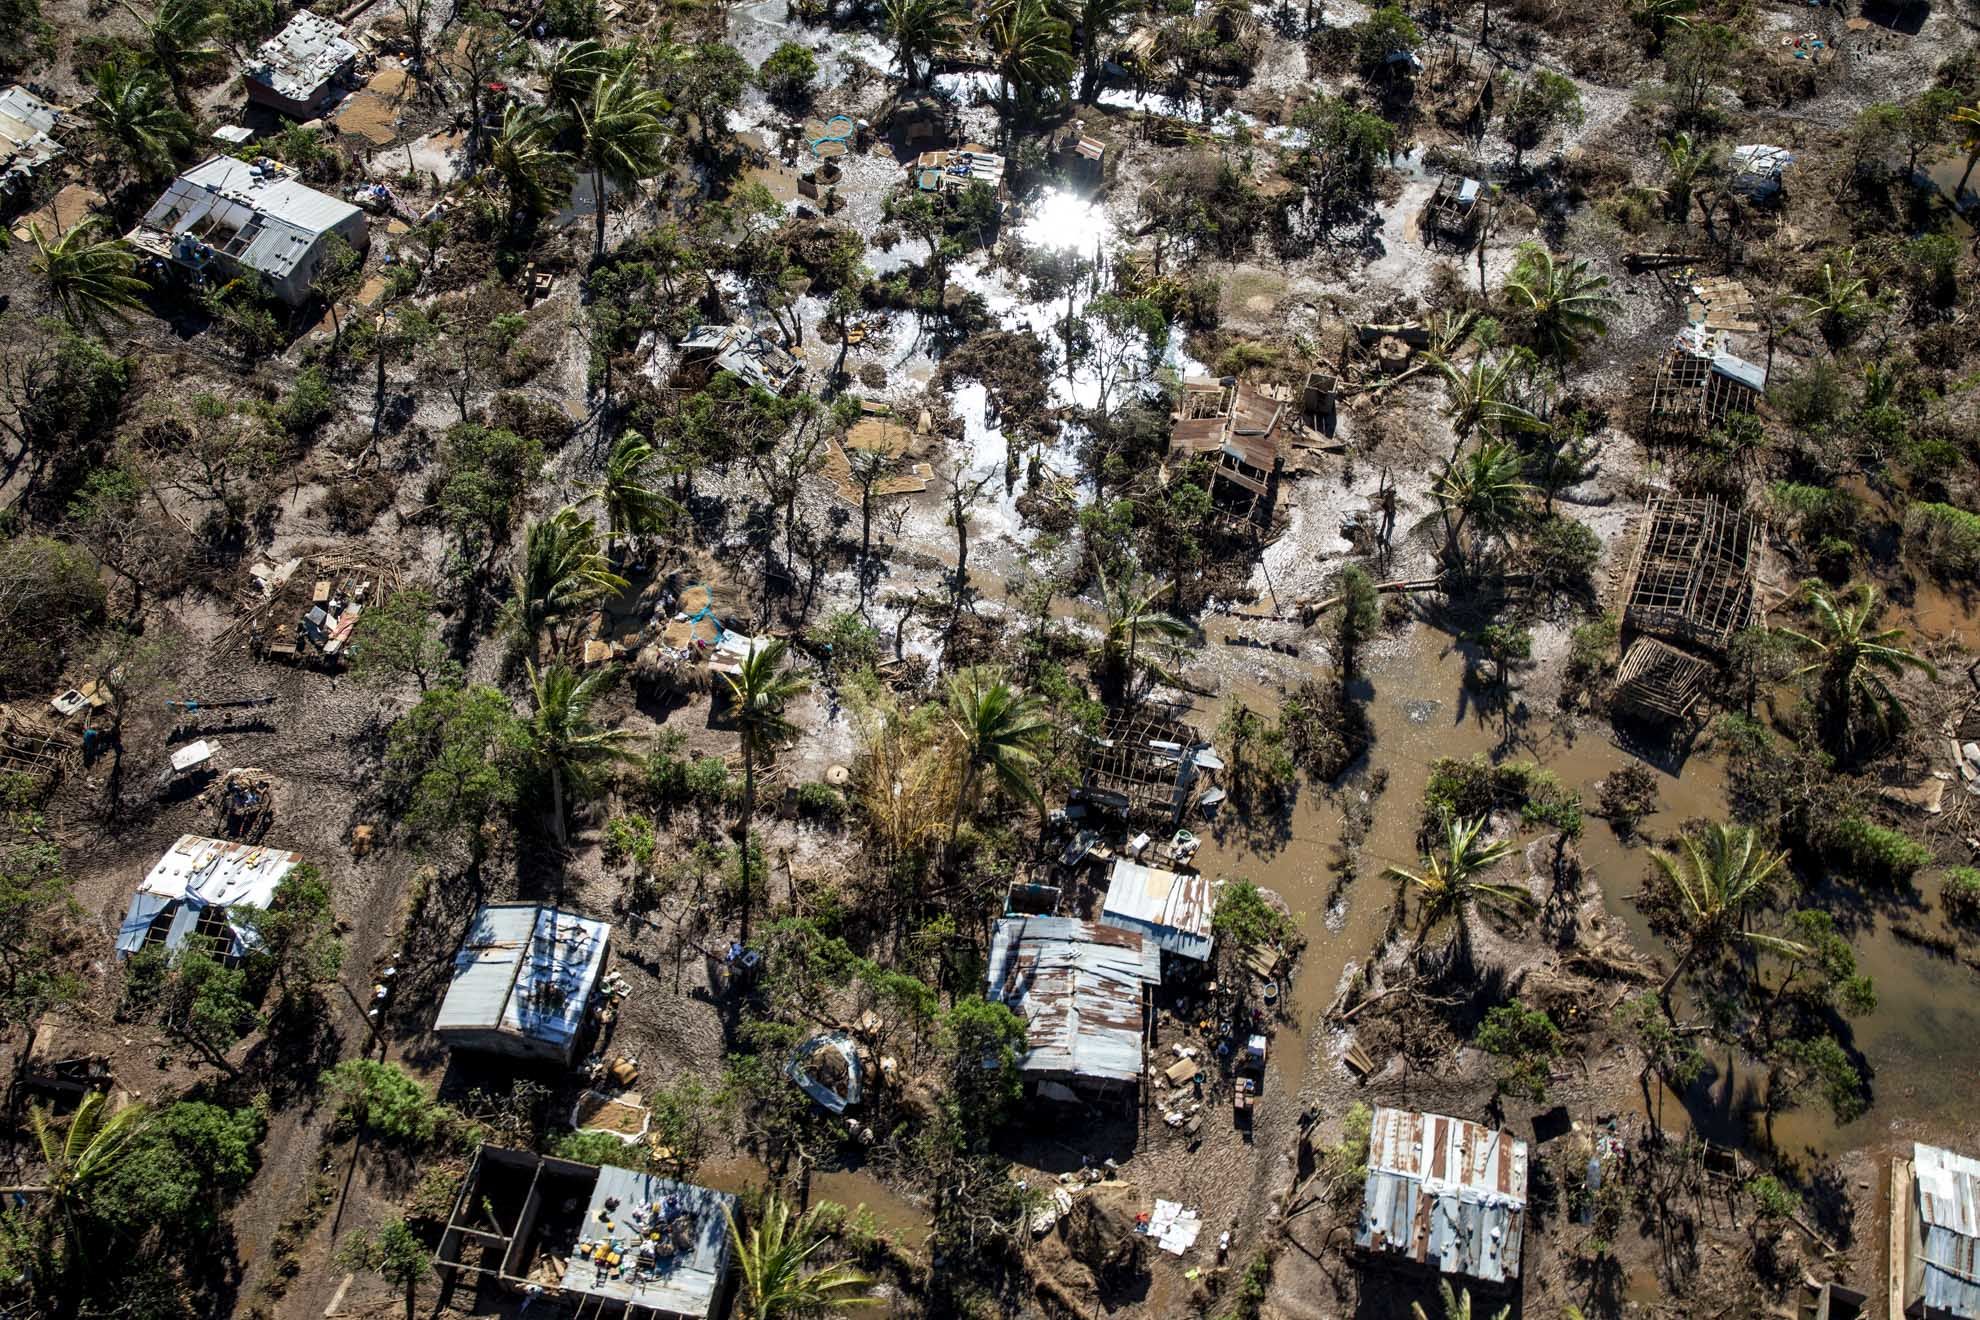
758, 694
563, 738
774, 1257
1450, 881
92, 278
535, 173
998, 728
1852, 661
1569, 303
1723, 875
563, 571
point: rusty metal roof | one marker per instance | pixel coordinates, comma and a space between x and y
1245, 428
1949, 1214
1444, 1192
1172, 908
1078, 986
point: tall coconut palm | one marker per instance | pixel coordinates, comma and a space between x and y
1723, 875
79, 1157
1457, 1305
1450, 882
574, 68
1096, 22
634, 507
773, 1257
1569, 303
1485, 394
920, 30
1484, 489
998, 728
758, 694
1129, 603
622, 135
1031, 48
180, 36
563, 570
1852, 661
563, 737
524, 156
135, 120
90, 277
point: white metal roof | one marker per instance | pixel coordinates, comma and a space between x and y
1949, 1209
525, 969
198, 873
1078, 986
299, 59
1172, 908
260, 216
27, 124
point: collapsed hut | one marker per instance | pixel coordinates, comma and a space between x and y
1146, 767
1699, 384
1689, 590
1239, 427
1455, 210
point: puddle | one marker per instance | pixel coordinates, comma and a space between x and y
893, 1215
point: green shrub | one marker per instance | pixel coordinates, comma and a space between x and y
308, 405
1944, 538
820, 801
383, 1098
1527, 1042
599, 1148
1873, 852
630, 839
1462, 789
708, 780
1244, 917
1960, 896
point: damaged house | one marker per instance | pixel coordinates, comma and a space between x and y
27, 138
1700, 383
296, 72
1454, 211
1689, 589
195, 888
744, 353
225, 217
607, 1240
523, 982
1444, 1194
1238, 427
1146, 767
1084, 991
1172, 909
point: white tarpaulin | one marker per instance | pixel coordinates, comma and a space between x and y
199, 873
1174, 1227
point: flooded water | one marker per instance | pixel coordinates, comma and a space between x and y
894, 1216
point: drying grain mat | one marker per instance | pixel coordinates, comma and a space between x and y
879, 435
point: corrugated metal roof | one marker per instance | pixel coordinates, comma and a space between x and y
684, 1283
745, 353
26, 123
1171, 908
1078, 986
1445, 1192
259, 216
1247, 429
198, 873
1735, 368
298, 60
1949, 1207
525, 969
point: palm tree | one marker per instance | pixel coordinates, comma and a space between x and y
633, 506
179, 36
562, 571
776, 1284
1485, 394
91, 277
563, 737
573, 69
1457, 1305
1853, 661
1483, 488
1568, 302
1841, 303
1723, 875
78, 1157
1449, 882
132, 114
622, 132
1096, 21
1031, 48
759, 691
998, 728
1130, 609
920, 30
536, 174
1968, 116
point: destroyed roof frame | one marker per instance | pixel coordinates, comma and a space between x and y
1691, 575
1126, 772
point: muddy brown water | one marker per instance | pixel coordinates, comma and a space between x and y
894, 1215
1918, 1042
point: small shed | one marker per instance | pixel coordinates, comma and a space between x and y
1083, 990
611, 1240
27, 137
743, 352
1455, 210
195, 888
1941, 1226
1170, 908
1446, 1194
523, 980
296, 71
1756, 170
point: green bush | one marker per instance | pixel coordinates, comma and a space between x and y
384, 1099
599, 1148
820, 801
1944, 538
708, 780
1959, 896
308, 405
1246, 919
1872, 852
1527, 1042
1462, 789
